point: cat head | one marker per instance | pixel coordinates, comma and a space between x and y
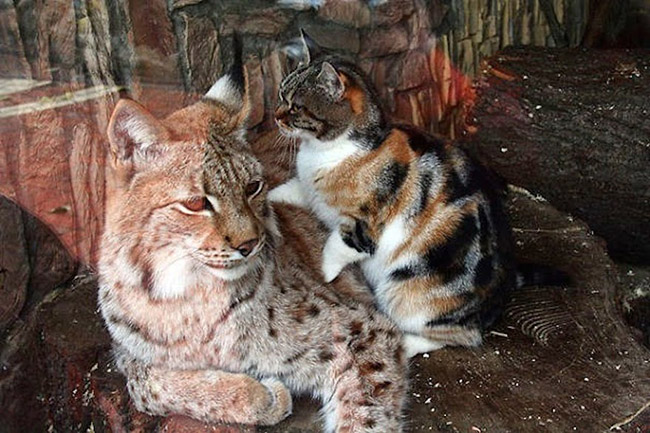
188, 198
325, 97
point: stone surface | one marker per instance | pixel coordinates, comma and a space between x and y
573, 126
353, 13
333, 36
14, 263
12, 55
412, 70
32, 263
383, 41
391, 12
154, 43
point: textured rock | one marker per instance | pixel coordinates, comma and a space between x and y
14, 263
391, 12
573, 126
154, 43
384, 40
182, 424
333, 36
12, 55
412, 70
352, 13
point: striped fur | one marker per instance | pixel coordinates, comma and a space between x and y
211, 296
422, 217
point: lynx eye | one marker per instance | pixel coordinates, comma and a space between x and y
196, 204
253, 188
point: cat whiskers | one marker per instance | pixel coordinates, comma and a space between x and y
289, 146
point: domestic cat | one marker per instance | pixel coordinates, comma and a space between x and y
425, 220
213, 298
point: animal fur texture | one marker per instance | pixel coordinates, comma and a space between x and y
214, 299
421, 216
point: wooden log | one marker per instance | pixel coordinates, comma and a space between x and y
574, 126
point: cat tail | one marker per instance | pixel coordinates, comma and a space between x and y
540, 275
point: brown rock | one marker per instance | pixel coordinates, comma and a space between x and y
268, 21
391, 12
573, 126
183, 424
333, 36
14, 263
411, 70
154, 43
352, 13
256, 92
12, 55
381, 41
203, 53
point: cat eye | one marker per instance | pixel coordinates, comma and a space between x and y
253, 188
196, 204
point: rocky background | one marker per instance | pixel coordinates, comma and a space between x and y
63, 65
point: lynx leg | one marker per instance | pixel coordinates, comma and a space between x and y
207, 395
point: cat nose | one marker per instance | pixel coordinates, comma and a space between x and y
245, 248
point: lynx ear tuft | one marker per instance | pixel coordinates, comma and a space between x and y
132, 130
331, 81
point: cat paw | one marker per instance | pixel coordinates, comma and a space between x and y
331, 270
290, 192
280, 404
414, 345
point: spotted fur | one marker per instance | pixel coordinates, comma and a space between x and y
423, 218
210, 295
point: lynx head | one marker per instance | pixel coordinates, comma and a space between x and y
325, 97
188, 200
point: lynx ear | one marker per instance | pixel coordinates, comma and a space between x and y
232, 89
311, 49
132, 131
331, 81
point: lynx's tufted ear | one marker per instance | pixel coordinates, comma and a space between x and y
232, 89
331, 81
133, 132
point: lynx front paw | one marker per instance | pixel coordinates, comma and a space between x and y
280, 404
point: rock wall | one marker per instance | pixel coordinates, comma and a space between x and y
63, 64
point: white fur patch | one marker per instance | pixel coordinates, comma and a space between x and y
415, 344
140, 132
171, 280
315, 158
290, 192
377, 269
224, 91
337, 255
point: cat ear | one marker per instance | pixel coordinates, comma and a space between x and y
232, 89
331, 81
311, 49
132, 131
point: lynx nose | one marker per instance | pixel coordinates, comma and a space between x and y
245, 248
